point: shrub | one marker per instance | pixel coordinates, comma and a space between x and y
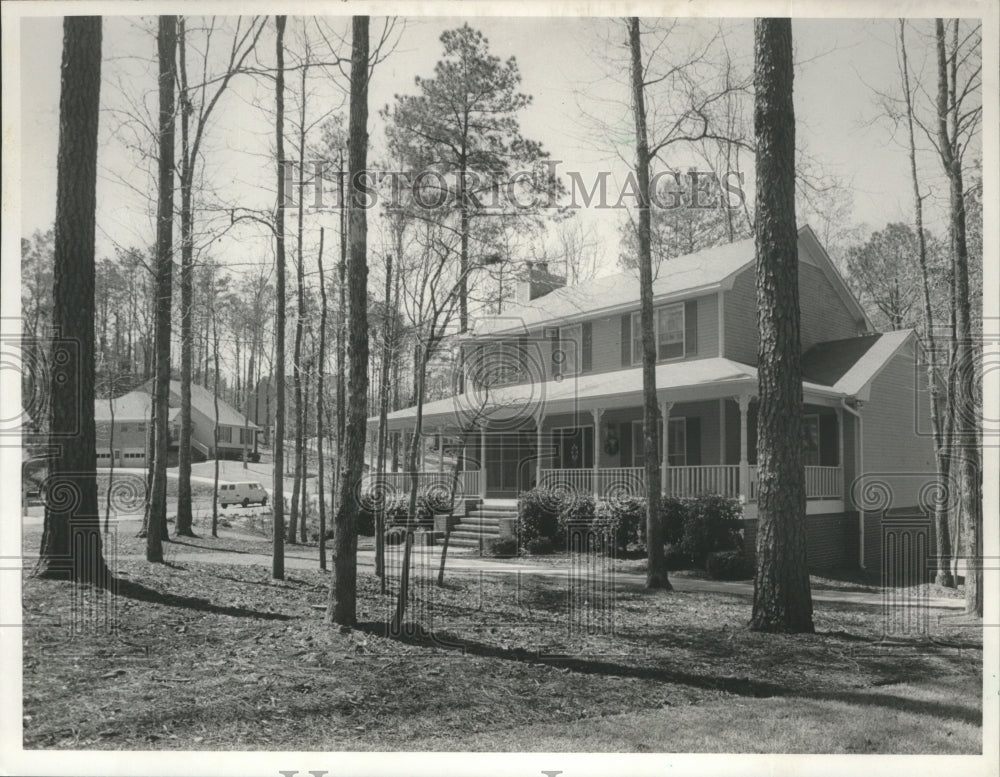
500, 547
673, 513
728, 565
626, 518
538, 515
540, 546
711, 524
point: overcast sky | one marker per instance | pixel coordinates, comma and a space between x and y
564, 64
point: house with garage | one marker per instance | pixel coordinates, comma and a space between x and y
132, 413
553, 396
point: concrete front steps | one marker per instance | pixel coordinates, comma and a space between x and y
482, 523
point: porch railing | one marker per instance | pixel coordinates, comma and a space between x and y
720, 479
825, 482
580, 481
398, 483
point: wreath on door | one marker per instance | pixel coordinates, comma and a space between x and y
611, 445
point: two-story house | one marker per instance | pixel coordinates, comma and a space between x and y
553, 395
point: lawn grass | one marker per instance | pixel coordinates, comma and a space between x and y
219, 656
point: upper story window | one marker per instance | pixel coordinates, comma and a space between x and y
571, 345
668, 325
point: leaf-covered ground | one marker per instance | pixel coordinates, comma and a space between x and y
209, 655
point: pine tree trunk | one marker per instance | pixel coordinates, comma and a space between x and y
157, 530
343, 588
71, 547
278, 447
656, 568
782, 600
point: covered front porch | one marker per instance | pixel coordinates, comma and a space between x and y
594, 445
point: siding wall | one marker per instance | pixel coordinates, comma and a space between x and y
707, 411
606, 342
823, 315
896, 456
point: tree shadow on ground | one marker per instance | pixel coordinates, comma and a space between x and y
739, 686
129, 589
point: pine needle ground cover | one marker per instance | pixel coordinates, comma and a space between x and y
203, 654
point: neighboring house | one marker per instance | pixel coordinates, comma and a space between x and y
133, 414
554, 396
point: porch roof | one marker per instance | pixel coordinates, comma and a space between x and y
675, 382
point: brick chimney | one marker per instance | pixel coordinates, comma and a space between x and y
537, 282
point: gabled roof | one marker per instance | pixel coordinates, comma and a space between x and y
700, 272
828, 362
134, 406
857, 378
204, 401
703, 270
131, 407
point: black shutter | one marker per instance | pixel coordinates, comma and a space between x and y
625, 443
587, 358
693, 435
691, 327
627, 340
829, 441
752, 433
553, 335
520, 365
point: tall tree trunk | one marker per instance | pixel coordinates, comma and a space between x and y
167, 45
343, 587
300, 412
183, 526
303, 510
341, 335
71, 547
383, 412
215, 426
320, 404
781, 600
965, 413
656, 569
942, 452
278, 448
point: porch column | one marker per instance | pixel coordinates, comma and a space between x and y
744, 403
440, 451
482, 461
722, 430
538, 448
666, 407
840, 448
597, 412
